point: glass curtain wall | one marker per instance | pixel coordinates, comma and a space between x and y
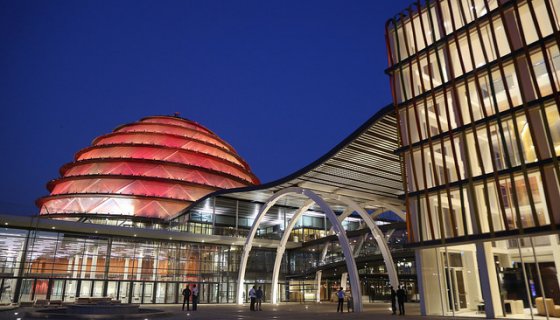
476, 89
473, 108
64, 266
522, 274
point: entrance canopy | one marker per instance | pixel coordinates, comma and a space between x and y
363, 167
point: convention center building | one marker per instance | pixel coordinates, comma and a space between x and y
163, 202
451, 192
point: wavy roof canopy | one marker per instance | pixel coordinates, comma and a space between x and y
363, 167
152, 168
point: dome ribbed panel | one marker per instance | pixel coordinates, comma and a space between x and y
152, 168
174, 130
170, 142
163, 170
176, 156
112, 205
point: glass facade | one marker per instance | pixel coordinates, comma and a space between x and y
65, 266
520, 275
67, 262
327, 257
475, 85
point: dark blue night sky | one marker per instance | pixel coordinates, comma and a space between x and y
281, 81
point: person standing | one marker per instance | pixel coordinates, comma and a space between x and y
253, 297
393, 301
186, 297
340, 294
259, 295
401, 298
194, 297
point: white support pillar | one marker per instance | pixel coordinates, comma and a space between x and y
324, 253
318, 276
84, 265
555, 253
155, 266
343, 280
93, 269
139, 268
19, 259
214, 215
69, 266
75, 266
236, 217
420, 282
488, 280
126, 265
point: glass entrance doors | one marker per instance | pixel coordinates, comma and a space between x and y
144, 292
165, 292
454, 281
456, 294
57, 289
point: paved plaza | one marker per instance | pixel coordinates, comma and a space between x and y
291, 311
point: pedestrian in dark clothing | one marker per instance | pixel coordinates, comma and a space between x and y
259, 294
253, 296
401, 298
393, 301
340, 294
186, 297
194, 297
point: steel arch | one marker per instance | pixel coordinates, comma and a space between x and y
337, 228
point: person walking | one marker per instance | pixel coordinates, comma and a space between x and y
340, 294
393, 301
194, 297
253, 297
259, 295
186, 297
401, 298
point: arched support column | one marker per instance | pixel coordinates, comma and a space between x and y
282, 247
337, 228
360, 244
249, 241
378, 236
399, 211
375, 231
341, 218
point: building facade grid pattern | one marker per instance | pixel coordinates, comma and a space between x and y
475, 85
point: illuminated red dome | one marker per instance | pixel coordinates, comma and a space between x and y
152, 168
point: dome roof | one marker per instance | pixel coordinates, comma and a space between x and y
152, 168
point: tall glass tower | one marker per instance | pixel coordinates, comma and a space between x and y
475, 85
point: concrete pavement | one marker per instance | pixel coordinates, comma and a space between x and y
290, 311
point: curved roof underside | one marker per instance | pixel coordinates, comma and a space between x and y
363, 167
